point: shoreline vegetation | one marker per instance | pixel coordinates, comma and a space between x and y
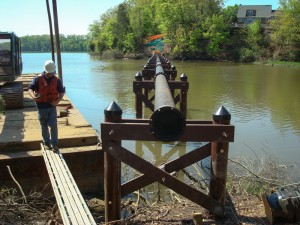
283, 63
247, 180
136, 56
198, 30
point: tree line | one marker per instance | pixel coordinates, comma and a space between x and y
41, 43
197, 29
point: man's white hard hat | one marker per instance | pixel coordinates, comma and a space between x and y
49, 66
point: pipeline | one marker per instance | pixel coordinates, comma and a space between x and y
167, 123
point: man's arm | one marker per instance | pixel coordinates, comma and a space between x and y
60, 96
32, 94
61, 92
31, 88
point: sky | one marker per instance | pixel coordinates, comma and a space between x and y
29, 17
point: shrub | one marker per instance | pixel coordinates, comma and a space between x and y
112, 54
247, 55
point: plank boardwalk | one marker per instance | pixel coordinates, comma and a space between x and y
73, 208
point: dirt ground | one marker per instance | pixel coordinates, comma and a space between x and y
240, 209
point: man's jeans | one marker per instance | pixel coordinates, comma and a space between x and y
48, 117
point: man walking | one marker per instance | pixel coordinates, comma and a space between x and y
47, 90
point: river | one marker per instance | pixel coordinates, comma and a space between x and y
264, 101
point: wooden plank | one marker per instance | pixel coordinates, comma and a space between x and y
74, 193
79, 196
150, 84
69, 191
56, 191
70, 201
188, 122
66, 193
80, 202
193, 132
67, 200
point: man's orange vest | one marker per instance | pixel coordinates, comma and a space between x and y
48, 92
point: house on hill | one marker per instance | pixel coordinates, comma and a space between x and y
249, 13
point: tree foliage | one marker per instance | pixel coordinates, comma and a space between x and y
41, 43
286, 34
182, 22
197, 29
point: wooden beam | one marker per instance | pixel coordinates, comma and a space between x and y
193, 132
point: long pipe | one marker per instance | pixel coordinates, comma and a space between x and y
167, 123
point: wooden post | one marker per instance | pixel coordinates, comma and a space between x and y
219, 161
183, 95
112, 169
170, 77
138, 100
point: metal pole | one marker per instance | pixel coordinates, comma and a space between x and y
51, 30
58, 55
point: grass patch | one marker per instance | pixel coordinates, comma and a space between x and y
283, 63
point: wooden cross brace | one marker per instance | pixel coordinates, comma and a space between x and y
161, 175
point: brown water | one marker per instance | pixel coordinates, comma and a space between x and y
264, 101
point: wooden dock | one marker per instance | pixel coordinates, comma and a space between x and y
20, 139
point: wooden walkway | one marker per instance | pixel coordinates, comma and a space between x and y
73, 208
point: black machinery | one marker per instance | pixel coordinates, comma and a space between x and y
10, 69
283, 205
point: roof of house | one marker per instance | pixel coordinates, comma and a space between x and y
261, 10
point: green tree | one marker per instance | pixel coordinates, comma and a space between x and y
193, 29
285, 34
142, 14
181, 22
216, 32
254, 45
230, 14
41, 43
254, 37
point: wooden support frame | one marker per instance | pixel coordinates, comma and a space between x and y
141, 89
201, 131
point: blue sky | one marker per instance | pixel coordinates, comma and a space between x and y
29, 17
